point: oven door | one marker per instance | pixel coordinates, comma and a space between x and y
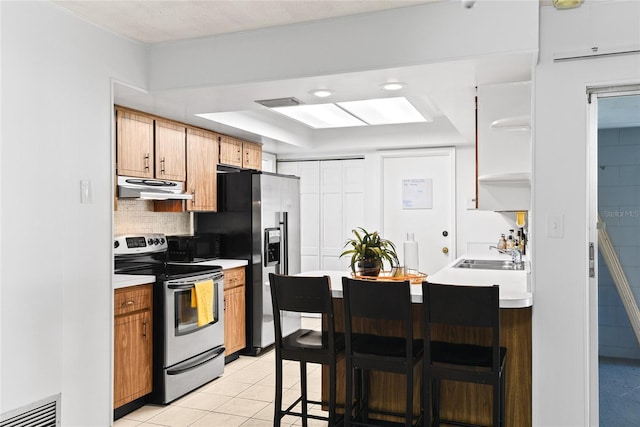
183, 337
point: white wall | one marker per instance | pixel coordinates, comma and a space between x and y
56, 260
561, 296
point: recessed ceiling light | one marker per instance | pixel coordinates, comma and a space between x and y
384, 111
393, 85
321, 93
566, 4
320, 116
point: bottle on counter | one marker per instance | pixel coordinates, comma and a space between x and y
523, 242
502, 243
410, 253
510, 242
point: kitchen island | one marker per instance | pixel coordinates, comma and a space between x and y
461, 401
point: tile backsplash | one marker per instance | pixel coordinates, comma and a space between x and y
137, 216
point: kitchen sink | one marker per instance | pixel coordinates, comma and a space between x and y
489, 264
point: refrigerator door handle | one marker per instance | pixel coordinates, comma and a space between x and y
284, 244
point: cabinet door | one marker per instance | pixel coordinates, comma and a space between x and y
132, 363
170, 151
252, 156
134, 142
202, 160
233, 278
234, 320
230, 151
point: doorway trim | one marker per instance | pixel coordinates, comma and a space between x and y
593, 94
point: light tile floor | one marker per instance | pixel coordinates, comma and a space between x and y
243, 396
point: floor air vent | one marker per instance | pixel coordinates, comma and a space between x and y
44, 413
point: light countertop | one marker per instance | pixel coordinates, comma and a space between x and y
224, 263
513, 284
124, 280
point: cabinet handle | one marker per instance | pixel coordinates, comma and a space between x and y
144, 328
162, 166
247, 161
193, 197
239, 158
124, 304
146, 162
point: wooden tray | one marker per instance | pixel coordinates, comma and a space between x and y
386, 276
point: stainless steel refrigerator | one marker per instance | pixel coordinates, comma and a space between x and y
258, 219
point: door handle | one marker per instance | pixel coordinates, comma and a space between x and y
445, 250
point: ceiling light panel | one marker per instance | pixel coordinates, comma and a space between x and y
321, 116
384, 111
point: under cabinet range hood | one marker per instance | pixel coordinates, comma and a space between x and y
151, 189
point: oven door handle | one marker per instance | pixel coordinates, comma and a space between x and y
183, 287
179, 371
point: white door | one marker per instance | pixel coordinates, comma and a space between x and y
331, 205
342, 204
419, 197
309, 210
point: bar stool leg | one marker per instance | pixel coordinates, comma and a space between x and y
409, 409
435, 384
277, 414
332, 394
348, 396
365, 395
502, 399
303, 389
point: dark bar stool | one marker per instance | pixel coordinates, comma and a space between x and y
304, 295
465, 306
381, 301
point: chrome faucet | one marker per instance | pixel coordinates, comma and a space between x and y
516, 254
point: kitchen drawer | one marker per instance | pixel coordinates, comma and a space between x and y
233, 277
133, 298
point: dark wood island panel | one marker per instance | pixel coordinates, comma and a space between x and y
460, 401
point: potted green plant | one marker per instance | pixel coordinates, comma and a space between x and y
369, 251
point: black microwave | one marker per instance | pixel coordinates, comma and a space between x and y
193, 248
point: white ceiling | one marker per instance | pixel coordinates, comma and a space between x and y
152, 21
432, 88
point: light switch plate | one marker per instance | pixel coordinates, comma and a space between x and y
555, 226
85, 191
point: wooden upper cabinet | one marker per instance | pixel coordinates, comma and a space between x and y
243, 154
252, 158
170, 150
202, 155
134, 144
230, 151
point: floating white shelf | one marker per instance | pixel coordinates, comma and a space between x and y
520, 123
506, 178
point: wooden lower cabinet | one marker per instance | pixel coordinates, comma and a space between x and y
133, 344
234, 310
469, 403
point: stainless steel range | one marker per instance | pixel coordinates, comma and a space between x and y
186, 355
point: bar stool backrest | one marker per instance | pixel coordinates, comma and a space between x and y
378, 299
459, 305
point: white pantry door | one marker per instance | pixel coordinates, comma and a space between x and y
419, 198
